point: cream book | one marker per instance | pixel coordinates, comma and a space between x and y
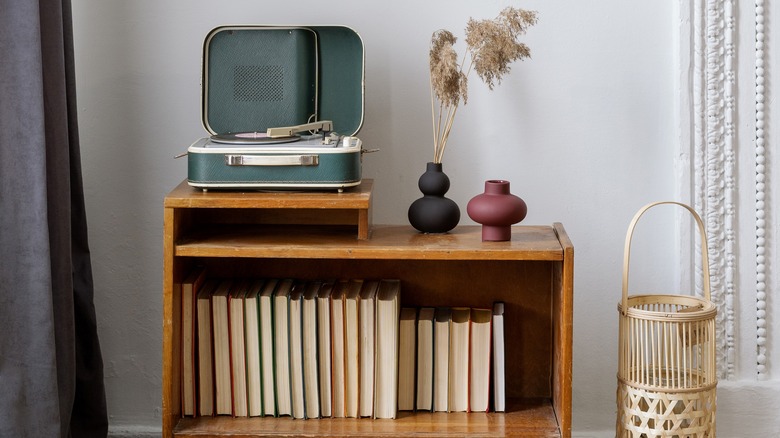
499, 394
424, 390
351, 349
324, 348
441, 359
479, 360
388, 305
254, 383
189, 291
296, 351
459, 360
205, 350
407, 349
338, 299
311, 384
221, 327
267, 355
282, 347
238, 349
366, 318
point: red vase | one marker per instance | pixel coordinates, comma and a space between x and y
497, 210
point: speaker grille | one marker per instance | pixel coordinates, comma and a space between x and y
258, 83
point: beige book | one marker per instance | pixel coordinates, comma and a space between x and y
499, 391
205, 350
254, 383
296, 351
459, 360
282, 347
425, 339
338, 354
311, 384
324, 348
479, 360
238, 349
221, 328
441, 359
351, 349
266, 304
367, 325
388, 305
189, 291
407, 349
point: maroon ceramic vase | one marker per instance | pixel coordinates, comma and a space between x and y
497, 210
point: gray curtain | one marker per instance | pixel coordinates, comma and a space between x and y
51, 370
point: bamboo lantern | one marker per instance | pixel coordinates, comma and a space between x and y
666, 358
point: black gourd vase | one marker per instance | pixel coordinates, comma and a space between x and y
434, 213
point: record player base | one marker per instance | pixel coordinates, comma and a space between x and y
525, 417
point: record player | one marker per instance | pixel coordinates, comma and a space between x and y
282, 106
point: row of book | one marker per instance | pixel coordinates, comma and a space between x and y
451, 359
273, 347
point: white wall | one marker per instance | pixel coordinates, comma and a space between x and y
585, 132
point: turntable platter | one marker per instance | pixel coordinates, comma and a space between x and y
250, 138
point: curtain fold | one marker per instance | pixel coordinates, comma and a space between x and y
51, 371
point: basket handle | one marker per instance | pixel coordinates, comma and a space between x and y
627, 250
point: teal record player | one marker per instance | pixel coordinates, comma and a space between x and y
282, 106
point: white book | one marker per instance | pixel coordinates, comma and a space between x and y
296, 351
282, 347
254, 382
499, 385
479, 360
388, 304
425, 322
221, 329
351, 349
441, 359
459, 360
324, 348
266, 303
367, 321
311, 384
189, 291
338, 358
205, 350
407, 348
238, 349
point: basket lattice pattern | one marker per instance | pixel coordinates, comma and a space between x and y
653, 414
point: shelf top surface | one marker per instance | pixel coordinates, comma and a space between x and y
529, 242
184, 196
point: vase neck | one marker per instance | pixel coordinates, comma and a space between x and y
433, 167
497, 187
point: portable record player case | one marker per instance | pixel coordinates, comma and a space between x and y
260, 82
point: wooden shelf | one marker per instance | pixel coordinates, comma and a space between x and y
387, 242
279, 235
525, 418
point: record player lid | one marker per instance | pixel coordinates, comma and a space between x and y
259, 77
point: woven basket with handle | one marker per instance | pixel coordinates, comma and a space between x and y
666, 357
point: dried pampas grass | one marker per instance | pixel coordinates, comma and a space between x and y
493, 46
